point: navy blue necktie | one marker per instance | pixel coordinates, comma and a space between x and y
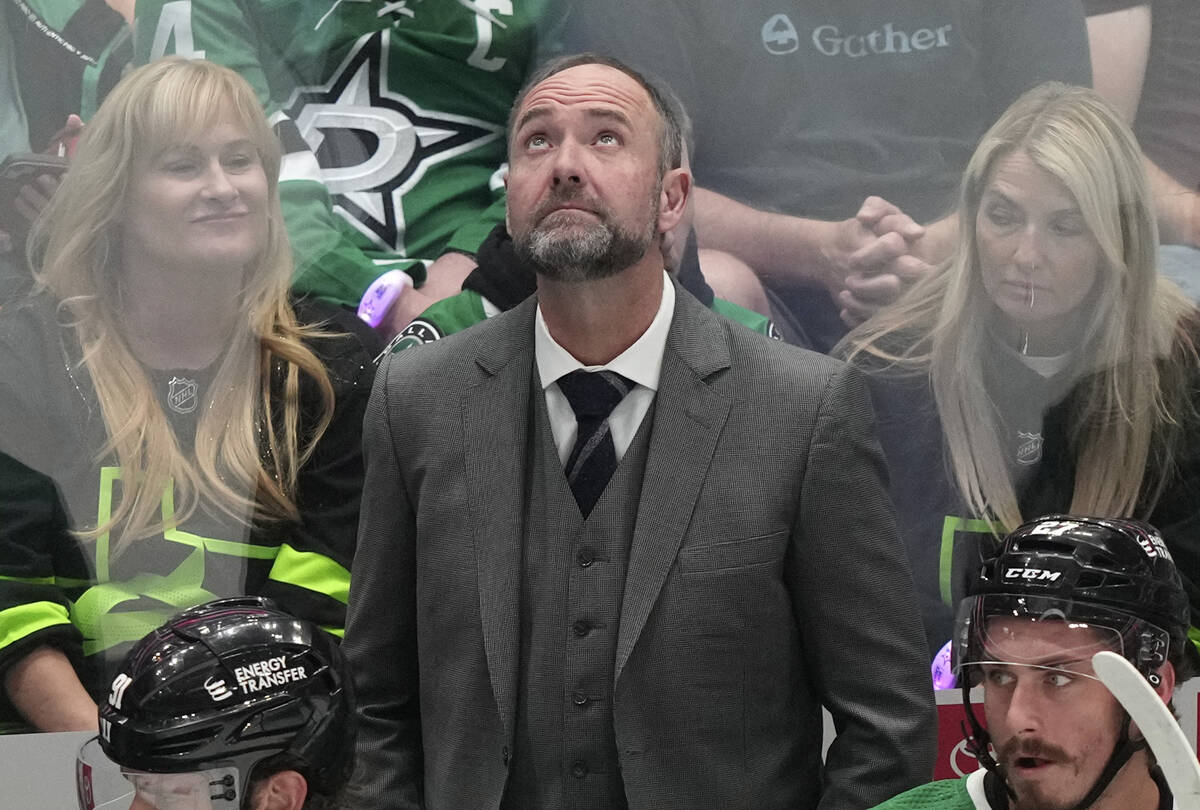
593, 395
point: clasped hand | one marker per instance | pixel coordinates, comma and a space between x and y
873, 258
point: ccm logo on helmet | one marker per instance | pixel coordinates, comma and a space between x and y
1036, 574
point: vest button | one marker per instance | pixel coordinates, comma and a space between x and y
579, 699
504, 755
581, 628
579, 769
585, 557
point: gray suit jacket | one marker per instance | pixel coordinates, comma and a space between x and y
765, 579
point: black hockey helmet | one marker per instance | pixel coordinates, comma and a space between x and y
1103, 584
220, 690
1107, 573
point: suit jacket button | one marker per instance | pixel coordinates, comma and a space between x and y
579, 769
579, 699
585, 557
581, 628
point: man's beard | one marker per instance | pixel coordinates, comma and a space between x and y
582, 251
1030, 796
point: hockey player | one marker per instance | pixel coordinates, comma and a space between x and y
231, 705
1059, 590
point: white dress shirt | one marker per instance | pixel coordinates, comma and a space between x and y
641, 363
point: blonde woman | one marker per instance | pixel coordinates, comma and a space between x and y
1045, 367
171, 430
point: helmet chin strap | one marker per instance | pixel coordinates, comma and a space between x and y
977, 736
999, 794
978, 741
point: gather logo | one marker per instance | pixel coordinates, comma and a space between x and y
780, 37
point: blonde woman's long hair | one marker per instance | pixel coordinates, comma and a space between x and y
1131, 397
249, 444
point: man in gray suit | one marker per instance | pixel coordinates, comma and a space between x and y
616, 551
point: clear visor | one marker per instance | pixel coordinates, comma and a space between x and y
104, 785
1044, 633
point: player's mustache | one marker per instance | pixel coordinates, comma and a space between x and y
1031, 747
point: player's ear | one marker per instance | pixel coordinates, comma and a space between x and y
285, 790
1166, 682
672, 201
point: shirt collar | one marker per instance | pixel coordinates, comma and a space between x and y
641, 362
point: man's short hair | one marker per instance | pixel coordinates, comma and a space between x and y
673, 121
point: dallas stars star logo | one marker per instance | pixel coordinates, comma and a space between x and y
372, 144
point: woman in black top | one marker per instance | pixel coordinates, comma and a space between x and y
1045, 367
171, 429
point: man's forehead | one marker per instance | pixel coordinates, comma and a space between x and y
1031, 641
593, 86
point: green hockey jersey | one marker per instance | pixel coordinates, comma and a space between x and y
391, 113
947, 794
972, 793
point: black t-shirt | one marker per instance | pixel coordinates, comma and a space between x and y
808, 108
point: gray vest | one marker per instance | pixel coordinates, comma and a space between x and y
573, 576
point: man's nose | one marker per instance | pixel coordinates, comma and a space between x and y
1026, 705
568, 164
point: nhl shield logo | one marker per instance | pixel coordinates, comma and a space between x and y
182, 394
1029, 448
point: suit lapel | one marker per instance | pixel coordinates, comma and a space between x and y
688, 419
495, 433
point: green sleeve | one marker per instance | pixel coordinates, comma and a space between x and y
328, 263
746, 317
470, 236
445, 317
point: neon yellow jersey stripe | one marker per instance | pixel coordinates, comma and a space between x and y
312, 571
62, 582
951, 526
229, 548
18, 622
28, 580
